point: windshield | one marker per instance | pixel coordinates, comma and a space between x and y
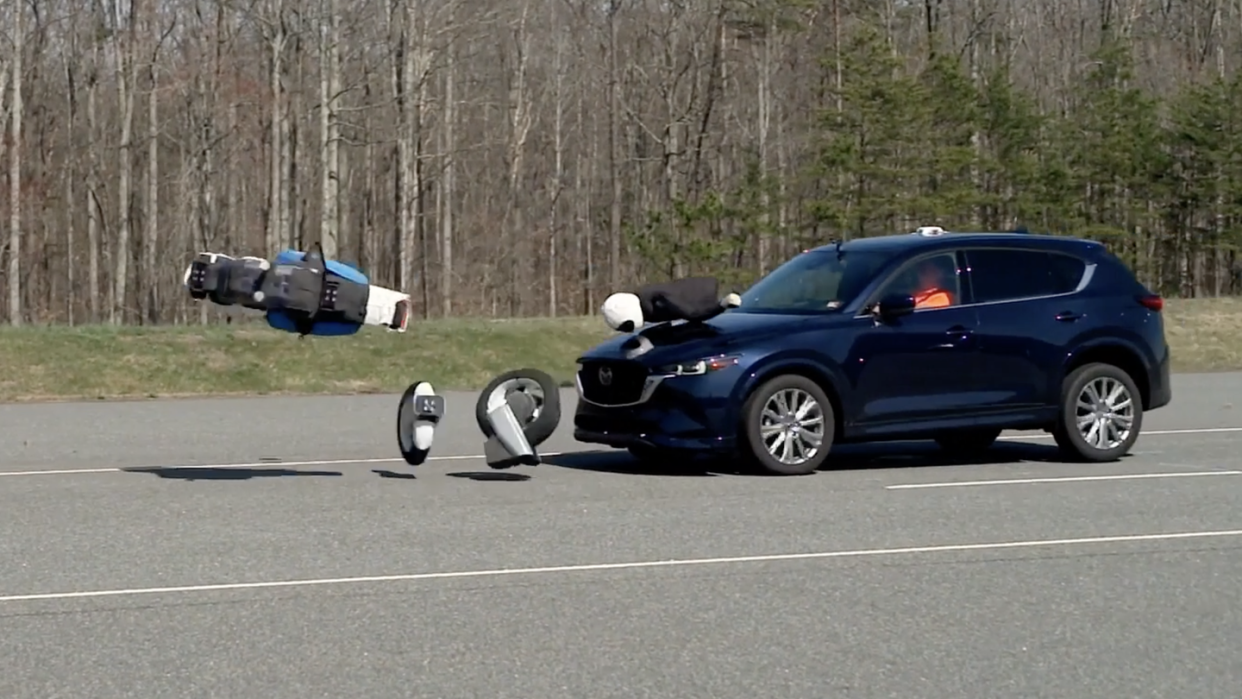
814, 281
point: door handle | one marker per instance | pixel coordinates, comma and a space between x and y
959, 335
1068, 316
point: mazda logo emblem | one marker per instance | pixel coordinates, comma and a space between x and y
605, 376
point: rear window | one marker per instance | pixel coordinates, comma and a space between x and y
1009, 274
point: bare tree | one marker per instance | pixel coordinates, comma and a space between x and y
557, 185
457, 152
123, 22
151, 240
329, 126
447, 189
17, 74
93, 203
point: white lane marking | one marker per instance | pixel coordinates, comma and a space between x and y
584, 568
1064, 479
470, 457
1144, 433
252, 464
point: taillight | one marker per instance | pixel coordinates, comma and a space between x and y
1152, 302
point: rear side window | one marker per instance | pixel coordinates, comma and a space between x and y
1006, 275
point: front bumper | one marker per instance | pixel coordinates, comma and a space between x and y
682, 415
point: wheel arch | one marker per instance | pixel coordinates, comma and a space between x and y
1116, 353
797, 365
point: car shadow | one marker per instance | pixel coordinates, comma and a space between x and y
920, 454
224, 474
622, 462
846, 457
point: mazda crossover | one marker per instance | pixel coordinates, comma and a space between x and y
935, 335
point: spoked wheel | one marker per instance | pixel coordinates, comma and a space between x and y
789, 425
1101, 413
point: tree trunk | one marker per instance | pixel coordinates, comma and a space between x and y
614, 154
124, 62
15, 167
92, 182
329, 130
447, 186
557, 185
152, 297
764, 102
519, 128
277, 204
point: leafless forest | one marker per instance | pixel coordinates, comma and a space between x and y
526, 157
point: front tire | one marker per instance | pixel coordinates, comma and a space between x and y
1101, 414
788, 425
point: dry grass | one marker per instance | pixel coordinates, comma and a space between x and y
59, 363
1205, 334
50, 363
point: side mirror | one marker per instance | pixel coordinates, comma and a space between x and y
895, 306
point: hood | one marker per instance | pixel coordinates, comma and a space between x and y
678, 341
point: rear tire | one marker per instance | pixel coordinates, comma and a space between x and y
788, 425
1107, 402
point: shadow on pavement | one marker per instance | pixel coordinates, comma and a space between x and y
621, 462
225, 474
385, 473
490, 476
919, 454
847, 457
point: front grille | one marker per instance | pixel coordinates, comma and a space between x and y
614, 382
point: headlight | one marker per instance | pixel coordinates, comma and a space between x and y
699, 367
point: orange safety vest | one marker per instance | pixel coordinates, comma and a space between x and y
932, 298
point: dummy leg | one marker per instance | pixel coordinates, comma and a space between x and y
226, 280
508, 446
388, 308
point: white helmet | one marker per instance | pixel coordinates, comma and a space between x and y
623, 312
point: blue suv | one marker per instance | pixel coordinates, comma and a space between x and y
837, 345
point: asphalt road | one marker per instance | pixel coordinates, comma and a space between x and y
249, 572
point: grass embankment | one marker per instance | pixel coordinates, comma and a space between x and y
51, 363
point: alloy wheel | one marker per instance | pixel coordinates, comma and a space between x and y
792, 426
1104, 413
